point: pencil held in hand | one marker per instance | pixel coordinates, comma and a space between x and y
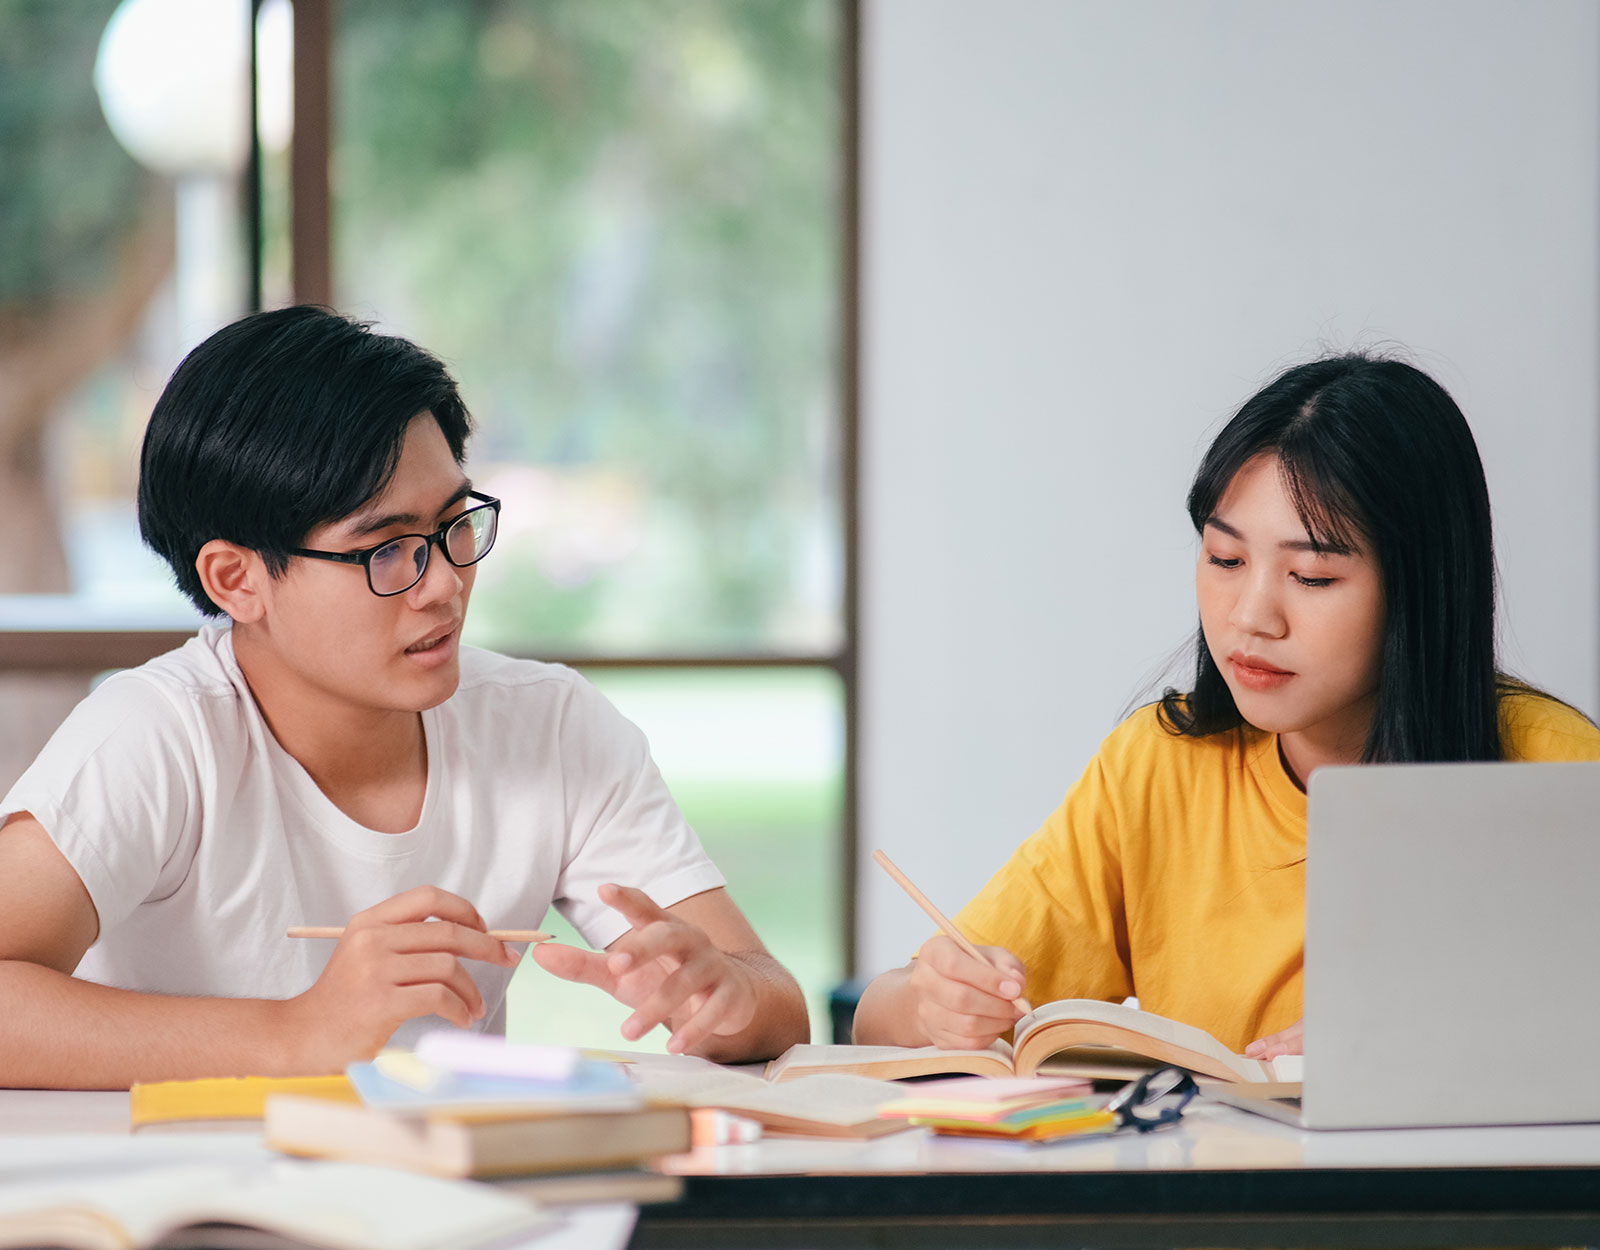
939, 918
337, 931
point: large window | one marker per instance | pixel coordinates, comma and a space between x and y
755, 758
620, 223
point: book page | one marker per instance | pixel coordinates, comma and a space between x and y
889, 1061
826, 1098
1172, 1034
335, 1205
690, 1083
1097, 1063
349, 1206
1106, 1013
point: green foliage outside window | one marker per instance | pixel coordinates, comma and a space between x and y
617, 223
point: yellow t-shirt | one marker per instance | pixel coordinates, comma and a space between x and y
1175, 870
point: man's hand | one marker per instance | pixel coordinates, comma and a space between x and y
668, 970
393, 964
1290, 1041
964, 1003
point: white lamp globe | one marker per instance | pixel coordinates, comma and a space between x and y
174, 83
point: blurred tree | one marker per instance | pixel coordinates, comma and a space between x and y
87, 241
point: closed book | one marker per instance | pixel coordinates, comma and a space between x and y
210, 1104
475, 1143
595, 1085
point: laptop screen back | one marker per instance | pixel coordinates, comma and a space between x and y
1452, 936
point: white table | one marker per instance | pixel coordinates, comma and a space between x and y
1222, 1177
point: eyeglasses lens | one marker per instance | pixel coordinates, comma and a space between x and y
398, 566
472, 535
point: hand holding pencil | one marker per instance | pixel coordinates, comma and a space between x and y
396, 961
966, 996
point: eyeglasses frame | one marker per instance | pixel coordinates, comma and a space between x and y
364, 555
1127, 1101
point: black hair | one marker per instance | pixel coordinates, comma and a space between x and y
279, 423
1375, 452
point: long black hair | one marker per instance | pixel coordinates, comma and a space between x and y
1376, 451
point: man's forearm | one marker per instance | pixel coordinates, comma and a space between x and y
780, 1019
59, 1032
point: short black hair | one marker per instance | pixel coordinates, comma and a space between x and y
279, 423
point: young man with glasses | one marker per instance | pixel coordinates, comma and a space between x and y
336, 758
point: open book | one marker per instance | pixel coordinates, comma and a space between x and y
329, 1205
829, 1104
1081, 1036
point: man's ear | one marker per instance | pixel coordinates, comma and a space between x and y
233, 577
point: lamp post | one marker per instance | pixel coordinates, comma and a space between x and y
173, 78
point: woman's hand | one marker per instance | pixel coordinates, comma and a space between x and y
1290, 1041
964, 1003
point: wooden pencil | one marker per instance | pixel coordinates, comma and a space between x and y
939, 918
337, 931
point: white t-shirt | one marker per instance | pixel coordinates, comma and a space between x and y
201, 840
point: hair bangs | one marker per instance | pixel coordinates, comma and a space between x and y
1323, 503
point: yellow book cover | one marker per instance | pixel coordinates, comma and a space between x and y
236, 1098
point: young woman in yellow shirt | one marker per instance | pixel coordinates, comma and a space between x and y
1346, 591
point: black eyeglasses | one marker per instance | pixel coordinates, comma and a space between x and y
1155, 1099
394, 567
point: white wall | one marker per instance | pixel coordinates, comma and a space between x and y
1090, 230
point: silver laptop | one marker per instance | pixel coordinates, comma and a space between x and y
1452, 942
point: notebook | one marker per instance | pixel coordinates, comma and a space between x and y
1450, 936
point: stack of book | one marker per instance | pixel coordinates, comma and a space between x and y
1023, 1109
466, 1105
